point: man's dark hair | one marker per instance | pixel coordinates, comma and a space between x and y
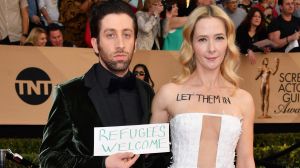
54, 27
104, 8
280, 2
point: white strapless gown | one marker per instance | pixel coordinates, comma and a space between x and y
186, 135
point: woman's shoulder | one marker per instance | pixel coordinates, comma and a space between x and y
244, 98
169, 87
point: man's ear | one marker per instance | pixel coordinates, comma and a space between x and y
95, 45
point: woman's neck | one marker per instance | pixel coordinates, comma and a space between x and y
252, 30
207, 78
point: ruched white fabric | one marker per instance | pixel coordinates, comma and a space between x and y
185, 137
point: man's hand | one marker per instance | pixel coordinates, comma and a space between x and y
293, 37
22, 40
35, 19
121, 160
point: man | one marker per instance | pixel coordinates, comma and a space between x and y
107, 95
14, 21
236, 14
49, 9
56, 37
297, 8
34, 15
285, 28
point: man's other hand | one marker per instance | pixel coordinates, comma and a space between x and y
121, 160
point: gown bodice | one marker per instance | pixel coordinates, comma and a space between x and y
204, 140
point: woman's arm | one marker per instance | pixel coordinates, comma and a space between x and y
146, 24
159, 106
176, 22
245, 156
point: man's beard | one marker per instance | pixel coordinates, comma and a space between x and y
116, 66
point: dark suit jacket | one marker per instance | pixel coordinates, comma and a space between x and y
80, 106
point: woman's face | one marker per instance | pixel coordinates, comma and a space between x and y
256, 19
174, 10
156, 6
42, 40
209, 44
139, 73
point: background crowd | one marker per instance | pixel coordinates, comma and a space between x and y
160, 23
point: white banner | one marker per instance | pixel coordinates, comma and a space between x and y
138, 139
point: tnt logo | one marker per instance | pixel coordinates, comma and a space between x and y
33, 86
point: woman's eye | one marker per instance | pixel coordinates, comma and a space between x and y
220, 38
202, 39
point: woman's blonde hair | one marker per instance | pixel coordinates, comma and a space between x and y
231, 61
34, 35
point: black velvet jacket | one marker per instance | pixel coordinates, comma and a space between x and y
79, 106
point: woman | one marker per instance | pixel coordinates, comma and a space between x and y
37, 37
173, 26
149, 25
251, 30
142, 72
210, 116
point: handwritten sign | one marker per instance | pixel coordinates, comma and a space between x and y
139, 139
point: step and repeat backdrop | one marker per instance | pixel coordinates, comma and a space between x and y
29, 76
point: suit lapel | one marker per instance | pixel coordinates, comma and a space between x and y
145, 99
96, 95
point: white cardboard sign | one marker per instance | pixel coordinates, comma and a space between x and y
138, 139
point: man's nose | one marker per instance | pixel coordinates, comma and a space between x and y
120, 42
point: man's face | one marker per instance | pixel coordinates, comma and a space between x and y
231, 5
56, 38
288, 7
116, 43
297, 4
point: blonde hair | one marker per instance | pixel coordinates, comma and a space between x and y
231, 61
34, 35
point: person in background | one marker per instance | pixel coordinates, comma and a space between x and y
34, 15
268, 10
172, 26
206, 131
236, 14
198, 3
245, 4
297, 8
141, 71
149, 25
107, 95
37, 37
14, 21
49, 9
73, 15
285, 28
251, 30
56, 37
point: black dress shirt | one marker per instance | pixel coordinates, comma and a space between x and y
122, 102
